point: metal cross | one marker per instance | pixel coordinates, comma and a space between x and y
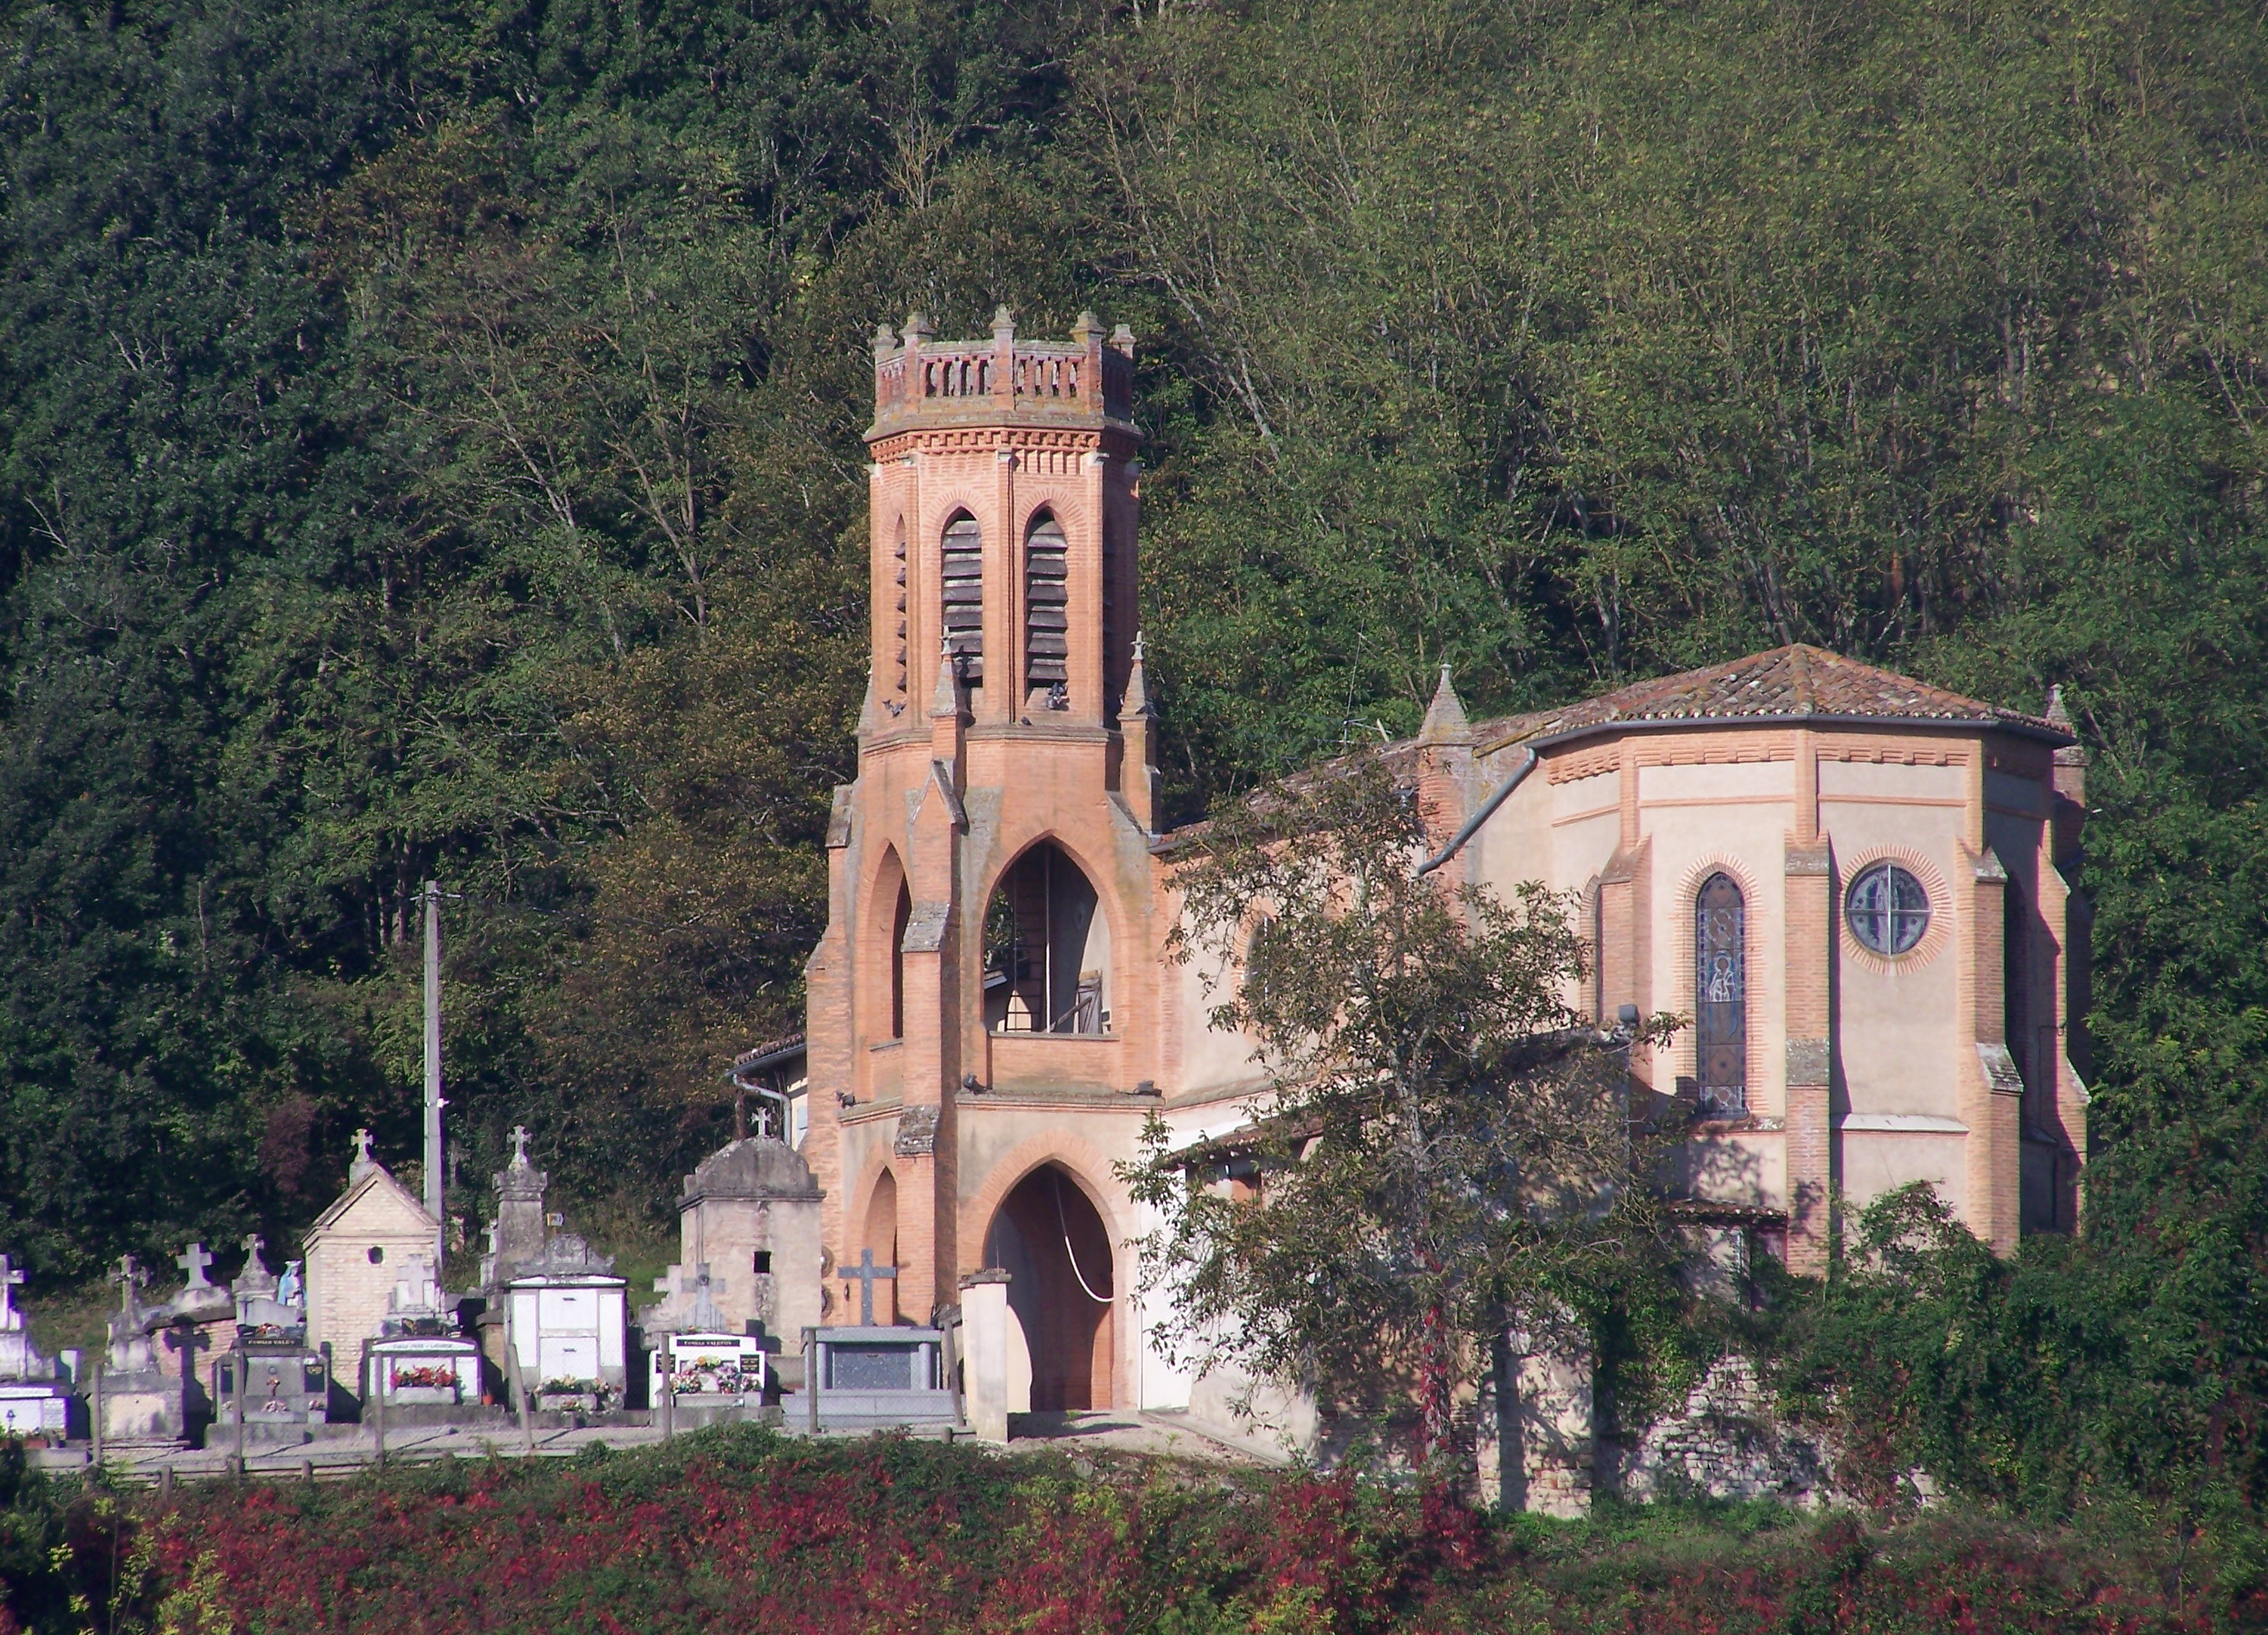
193, 1262
865, 1271
519, 1143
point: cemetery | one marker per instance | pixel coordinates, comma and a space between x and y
358, 1353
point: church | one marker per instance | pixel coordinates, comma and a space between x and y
1860, 889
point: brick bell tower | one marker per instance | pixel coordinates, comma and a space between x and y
1004, 740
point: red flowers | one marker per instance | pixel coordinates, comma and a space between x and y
740, 1529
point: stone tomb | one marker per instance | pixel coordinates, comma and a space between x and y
285, 1382
710, 1376
419, 1360
868, 1377
748, 1219
35, 1400
567, 1319
139, 1405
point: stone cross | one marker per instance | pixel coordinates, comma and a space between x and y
702, 1280
10, 1280
253, 1266
865, 1271
519, 1143
193, 1262
128, 1277
362, 1147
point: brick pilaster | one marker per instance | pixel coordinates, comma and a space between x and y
1992, 1091
1810, 1133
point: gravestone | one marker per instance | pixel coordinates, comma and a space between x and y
186, 1331
141, 1404
711, 1374
34, 1398
521, 1230
421, 1362
287, 1382
874, 1377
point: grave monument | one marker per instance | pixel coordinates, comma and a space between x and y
420, 1360
140, 1405
286, 1382
35, 1394
749, 1218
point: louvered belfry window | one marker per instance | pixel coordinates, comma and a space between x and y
898, 688
964, 596
1047, 606
1720, 996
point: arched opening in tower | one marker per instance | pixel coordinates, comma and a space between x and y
1047, 949
1050, 1241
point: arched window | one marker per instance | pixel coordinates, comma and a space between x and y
964, 595
1047, 611
1047, 949
905, 912
1720, 996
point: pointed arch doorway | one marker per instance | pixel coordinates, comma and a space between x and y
1048, 1238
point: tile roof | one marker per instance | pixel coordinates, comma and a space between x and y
1791, 683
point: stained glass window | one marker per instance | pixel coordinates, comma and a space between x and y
1887, 909
1720, 996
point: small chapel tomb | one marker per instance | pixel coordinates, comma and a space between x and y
749, 1222
356, 1253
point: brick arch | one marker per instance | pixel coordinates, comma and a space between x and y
939, 510
1078, 1159
1064, 508
1087, 1167
878, 973
1011, 851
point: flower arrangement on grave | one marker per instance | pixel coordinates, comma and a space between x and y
710, 1375
568, 1387
425, 1376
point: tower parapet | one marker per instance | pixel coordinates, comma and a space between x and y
921, 382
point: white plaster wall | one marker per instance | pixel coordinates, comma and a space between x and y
1876, 1162
1690, 841
1209, 1060
1898, 1026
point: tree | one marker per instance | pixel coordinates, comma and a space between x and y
1445, 1148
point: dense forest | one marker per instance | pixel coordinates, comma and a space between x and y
430, 446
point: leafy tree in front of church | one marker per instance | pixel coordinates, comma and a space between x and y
1445, 1151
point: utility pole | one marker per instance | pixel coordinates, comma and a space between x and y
434, 1198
